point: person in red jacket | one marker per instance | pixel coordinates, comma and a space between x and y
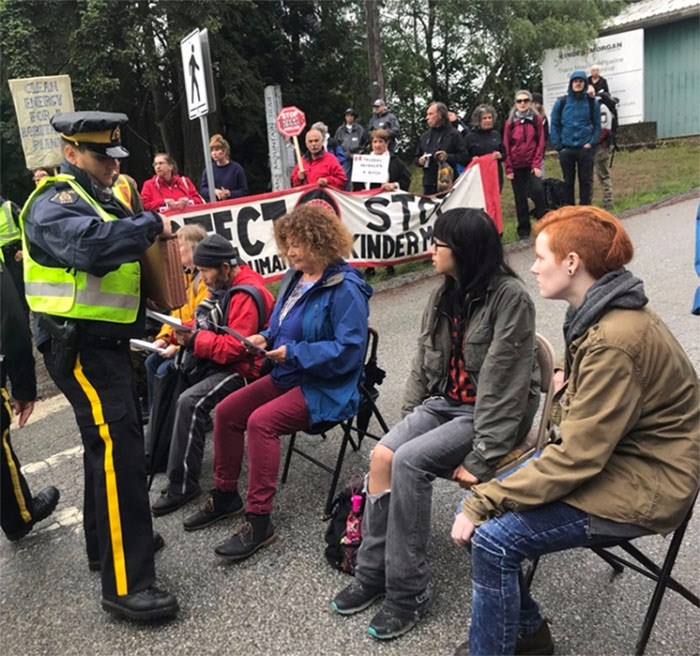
215, 362
524, 140
167, 190
320, 167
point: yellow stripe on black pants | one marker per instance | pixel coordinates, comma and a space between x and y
116, 515
110, 480
15, 495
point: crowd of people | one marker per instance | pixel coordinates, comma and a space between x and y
266, 368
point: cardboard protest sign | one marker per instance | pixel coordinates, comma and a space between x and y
36, 101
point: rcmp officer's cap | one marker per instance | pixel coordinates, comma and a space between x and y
99, 132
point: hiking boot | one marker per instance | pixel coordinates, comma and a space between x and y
171, 501
539, 643
158, 544
219, 505
43, 504
389, 623
257, 532
149, 604
356, 597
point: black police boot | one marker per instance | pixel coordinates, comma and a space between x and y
149, 604
256, 532
43, 504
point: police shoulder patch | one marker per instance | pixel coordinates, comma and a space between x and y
64, 197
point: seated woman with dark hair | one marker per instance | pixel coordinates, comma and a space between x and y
316, 341
470, 399
626, 463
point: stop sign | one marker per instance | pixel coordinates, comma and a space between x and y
291, 121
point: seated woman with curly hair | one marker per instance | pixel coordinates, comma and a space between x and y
316, 341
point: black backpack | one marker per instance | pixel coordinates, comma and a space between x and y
342, 556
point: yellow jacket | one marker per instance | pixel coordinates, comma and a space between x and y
196, 292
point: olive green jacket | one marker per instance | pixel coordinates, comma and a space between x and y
499, 356
630, 432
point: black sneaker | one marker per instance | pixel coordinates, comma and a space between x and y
256, 533
43, 504
539, 643
355, 598
171, 501
149, 604
389, 623
158, 544
219, 505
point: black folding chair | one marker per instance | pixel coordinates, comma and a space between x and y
662, 575
358, 425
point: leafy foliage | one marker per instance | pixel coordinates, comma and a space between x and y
125, 56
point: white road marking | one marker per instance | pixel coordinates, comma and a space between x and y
52, 461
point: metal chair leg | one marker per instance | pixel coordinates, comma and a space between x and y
288, 457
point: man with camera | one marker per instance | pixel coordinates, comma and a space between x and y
440, 143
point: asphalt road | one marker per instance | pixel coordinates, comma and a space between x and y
278, 602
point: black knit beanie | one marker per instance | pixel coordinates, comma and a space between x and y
213, 251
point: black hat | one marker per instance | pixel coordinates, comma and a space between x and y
213, 251
99, 132
537, 97
350, 110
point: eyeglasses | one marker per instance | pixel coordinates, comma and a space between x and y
522, 101
437, 245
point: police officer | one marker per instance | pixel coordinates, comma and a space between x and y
82, 275
18, 510
11, 245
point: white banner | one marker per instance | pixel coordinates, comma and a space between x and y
37, 100
621, 61
389, 227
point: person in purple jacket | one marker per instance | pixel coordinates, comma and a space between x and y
524, 141
229, 176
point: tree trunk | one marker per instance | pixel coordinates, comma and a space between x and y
374, 49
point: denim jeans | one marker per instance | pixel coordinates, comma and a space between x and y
431, 441
502, 607
156, 365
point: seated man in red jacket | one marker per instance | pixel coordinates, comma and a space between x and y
319, 166
215, 363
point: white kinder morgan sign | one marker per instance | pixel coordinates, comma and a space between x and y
621, 61
388, 226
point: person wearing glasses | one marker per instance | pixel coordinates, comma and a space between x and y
470, 399
524, 139
167, 190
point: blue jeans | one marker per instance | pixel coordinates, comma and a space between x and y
155, 365
502, 607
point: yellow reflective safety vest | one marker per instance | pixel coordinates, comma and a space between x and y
9, 230
122, 190
63, 292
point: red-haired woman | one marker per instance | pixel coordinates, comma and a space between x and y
629, 421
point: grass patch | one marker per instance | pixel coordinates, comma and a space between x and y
638, 177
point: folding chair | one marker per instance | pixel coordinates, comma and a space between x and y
541, 433
358, 424
646, 567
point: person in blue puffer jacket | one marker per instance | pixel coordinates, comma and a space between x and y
316, 342
575, 129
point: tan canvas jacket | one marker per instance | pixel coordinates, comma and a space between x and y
630, 432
